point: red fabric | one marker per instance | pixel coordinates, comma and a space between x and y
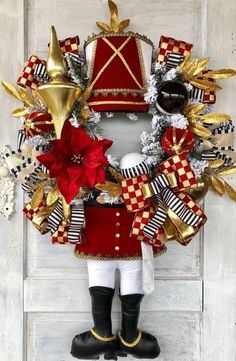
179, 165
71, 174
116, 76
102, 226
132, 192
209, 96
26, 79
168, 140
167, 45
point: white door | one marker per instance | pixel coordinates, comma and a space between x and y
44, 297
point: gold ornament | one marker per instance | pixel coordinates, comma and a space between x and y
58, 94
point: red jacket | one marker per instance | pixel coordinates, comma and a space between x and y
107, 233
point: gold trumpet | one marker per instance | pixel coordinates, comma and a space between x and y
59, 94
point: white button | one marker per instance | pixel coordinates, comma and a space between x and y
117, 248
117, 235
117, 214
117, 224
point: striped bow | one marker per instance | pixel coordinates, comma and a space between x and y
186, 221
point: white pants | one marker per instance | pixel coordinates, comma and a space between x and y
102, 273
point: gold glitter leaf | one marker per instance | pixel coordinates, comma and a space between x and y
228, 170
26, 98
200, 131
201, 65
193, 109
230, 191
103, 26
37, 197
124, 24
117, 175
204, 84
220, 74
10, 89
19, 112
113, 189
215, 117
218, 185
215, 163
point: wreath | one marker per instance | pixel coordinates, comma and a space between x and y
62, 164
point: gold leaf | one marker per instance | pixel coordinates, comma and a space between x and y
37, 197
26, 98
103, 26
114, 21
52, 196
189, 68
66, 210
124, 24
228, 170
218, 185
201, 65
215, 163
220, 74
113, 8
204, 84
113, 189
19, 112
230, 191
200, 131
10, 89
193, 109
36, 99
186, 59
117, 175
215, 117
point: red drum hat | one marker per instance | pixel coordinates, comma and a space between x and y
119, 64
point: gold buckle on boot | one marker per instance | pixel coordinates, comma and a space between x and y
131, 344
101, 338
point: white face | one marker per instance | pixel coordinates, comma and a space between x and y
124, 133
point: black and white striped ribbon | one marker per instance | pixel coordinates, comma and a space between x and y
21, 137
173, 60
213, 155
135, 171
76, 58
166, 198
196, 94
55, 217
42, 168
76, 223
223, 129
40, 72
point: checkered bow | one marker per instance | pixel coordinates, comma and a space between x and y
186, 219
34, 72
169, 45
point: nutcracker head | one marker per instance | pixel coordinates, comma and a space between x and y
119, 64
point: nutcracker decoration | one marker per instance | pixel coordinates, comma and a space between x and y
118, 215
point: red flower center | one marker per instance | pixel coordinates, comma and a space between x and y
76, 158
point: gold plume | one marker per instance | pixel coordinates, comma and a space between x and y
116, 25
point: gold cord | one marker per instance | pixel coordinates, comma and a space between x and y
131, 344
101, 338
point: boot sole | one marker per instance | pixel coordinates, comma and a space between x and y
107, 356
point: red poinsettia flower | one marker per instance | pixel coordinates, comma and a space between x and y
76, 160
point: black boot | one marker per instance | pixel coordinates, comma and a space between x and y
131, 340
99, 340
